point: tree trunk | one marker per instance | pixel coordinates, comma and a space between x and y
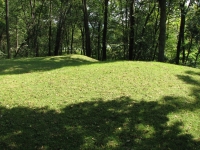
154, 37
197, 56
60, 29
140, 49
189, 49
83, 41
125, 33
125, 28
99, 41
1, 37
155, 50
181, 33
162, 34
72, 38
38, 28
33, 28
17, 38
50, 27
87, 31
7, 29
58, 38
104, 38
131, 32
183, 49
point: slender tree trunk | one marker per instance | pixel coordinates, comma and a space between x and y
155, 50
67, 41
154, 37
143, 31
60, 29
181, 34
189, 50
87, 31
162, 34
197, 56
17, 38
37, 28
99, 41
72, 38
131, 32
33, 36
7, 29
50, 27
1, 36
104, 38
83, 41
183, 49
125, 28
58, 38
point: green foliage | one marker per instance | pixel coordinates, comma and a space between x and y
30, 24
193, 25
2, 13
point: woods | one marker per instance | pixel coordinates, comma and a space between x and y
103, 29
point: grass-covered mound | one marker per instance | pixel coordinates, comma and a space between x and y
74, 102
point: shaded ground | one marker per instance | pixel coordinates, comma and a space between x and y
117, 124
27, 65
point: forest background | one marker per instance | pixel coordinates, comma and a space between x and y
145, 30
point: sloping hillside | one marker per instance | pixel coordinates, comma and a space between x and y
76, 102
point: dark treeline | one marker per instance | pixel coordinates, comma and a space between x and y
161, 30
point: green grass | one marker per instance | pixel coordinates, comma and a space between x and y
74, 102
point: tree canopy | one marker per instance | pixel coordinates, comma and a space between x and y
103, 29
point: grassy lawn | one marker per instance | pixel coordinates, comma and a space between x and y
74, 102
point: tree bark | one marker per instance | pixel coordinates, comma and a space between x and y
181, 34
162, 34
125, 28
87, 31
131, 32
17, 38
50, 27
196, 59
83, 40
154, 37
58, 37
72, 38
143, 31
189, 49
104, 38
99, 40
7, 29
60, 29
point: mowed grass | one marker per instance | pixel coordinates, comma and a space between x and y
75, 102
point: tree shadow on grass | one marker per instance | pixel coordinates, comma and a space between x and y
28, 65
193, 78
116, 124
189, 72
